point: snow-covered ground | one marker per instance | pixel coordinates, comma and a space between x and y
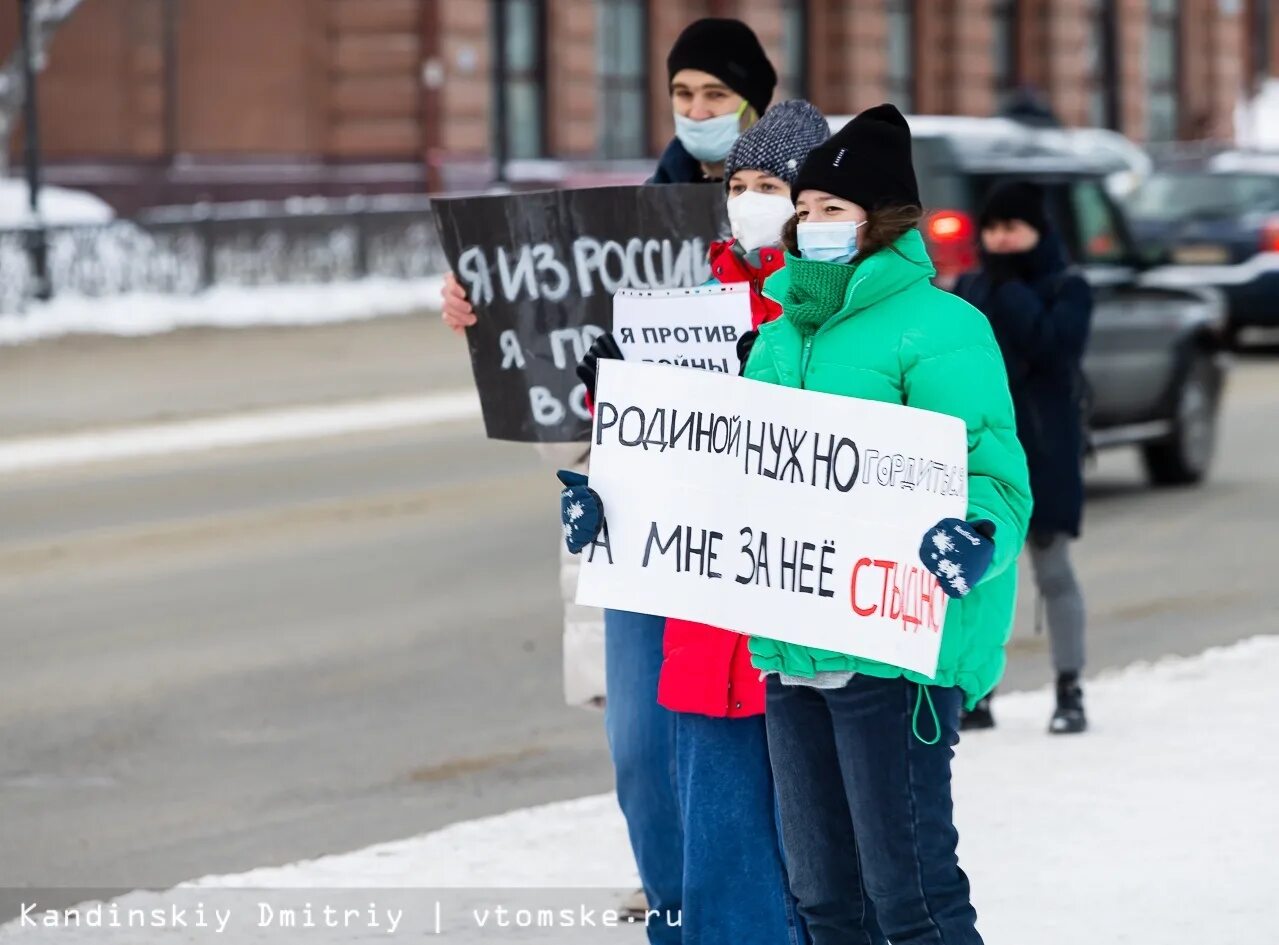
1159, 826
221, 307
233, 431
59, 206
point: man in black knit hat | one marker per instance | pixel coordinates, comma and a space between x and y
1041, 310
721, 83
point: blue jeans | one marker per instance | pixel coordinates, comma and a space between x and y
866, 812
735, 889
641, 737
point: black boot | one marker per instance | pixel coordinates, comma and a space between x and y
979, 717
1068, 718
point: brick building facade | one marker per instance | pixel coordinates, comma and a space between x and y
151, 101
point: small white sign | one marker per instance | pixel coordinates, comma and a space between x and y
696, 327
772, 511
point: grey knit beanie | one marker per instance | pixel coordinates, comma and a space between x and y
779, 141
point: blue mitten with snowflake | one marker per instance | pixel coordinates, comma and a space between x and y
581, 511
958, 553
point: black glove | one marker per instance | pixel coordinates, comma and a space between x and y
744, 346
605, 346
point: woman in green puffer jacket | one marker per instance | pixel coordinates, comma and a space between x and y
861, 750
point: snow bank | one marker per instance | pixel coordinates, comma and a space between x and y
59, 206
233, 431
1257, 120
221, 307
1159, 826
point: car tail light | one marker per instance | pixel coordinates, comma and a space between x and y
952, 244
1270, 235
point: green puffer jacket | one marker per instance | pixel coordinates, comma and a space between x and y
880, 330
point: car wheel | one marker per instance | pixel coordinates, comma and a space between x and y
1184, 458
1232, 336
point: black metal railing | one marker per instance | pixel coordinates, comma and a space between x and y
185, 250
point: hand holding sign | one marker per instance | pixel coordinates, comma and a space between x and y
456, 309
605, 347
958, 553
745, 345
581, 511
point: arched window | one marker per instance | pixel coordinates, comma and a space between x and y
901, 53
621, 59
794, 71
1103, 103
1006, 25
1162, 54
1259, 29
519, 28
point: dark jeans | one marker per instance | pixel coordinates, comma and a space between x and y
641, 737
866, 812
735, 889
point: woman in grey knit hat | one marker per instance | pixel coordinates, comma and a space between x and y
735, 889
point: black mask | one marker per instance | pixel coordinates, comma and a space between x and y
1006, 267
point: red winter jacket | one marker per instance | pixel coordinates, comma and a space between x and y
708, 671
727, 266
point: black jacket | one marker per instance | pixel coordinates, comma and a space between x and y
677, 166
1041, 312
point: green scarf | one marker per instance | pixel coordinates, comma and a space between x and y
817, 291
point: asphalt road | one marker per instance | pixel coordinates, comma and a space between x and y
219, 661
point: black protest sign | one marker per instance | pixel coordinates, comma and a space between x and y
541, 269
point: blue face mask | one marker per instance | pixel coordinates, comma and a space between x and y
710, 139
828, 242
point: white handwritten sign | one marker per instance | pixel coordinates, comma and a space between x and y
685, 327
771, 511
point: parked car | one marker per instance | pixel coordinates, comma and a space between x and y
1215, 221
1155, 364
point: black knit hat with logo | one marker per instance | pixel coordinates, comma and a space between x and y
730, 51
868, 162
1016, 200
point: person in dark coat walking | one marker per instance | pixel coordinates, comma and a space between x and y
1041, 310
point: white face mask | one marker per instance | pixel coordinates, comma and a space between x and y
835, 241
757, 219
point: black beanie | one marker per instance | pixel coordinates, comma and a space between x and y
868, 161
1015, 200
730, 51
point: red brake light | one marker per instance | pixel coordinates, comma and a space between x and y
947, 226
1270, 236
952, 244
